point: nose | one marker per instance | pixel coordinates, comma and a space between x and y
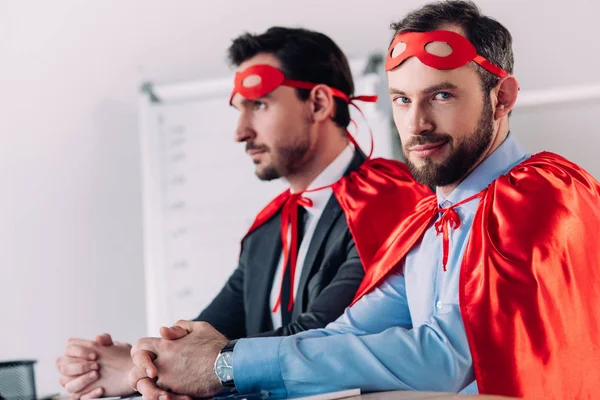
418, 122
244, 130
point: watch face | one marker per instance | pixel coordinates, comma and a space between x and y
224, 367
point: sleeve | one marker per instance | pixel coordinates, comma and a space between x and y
332, 300
366, 349
226, 312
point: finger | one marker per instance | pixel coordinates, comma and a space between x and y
94, 394
144, 360
173, 333
135, 375
187, 325
63, 360
83, 343
63, 380
148, 344
123, 344
78, 351
76, 368
104, 340
150, 391
80, 342
148, 347
179, 397
81, 382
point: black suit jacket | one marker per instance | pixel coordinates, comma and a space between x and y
330, 277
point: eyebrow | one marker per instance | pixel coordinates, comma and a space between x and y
246, 102
429, 90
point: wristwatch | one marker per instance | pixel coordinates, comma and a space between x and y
224, 365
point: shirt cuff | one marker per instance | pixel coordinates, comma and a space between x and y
256, 366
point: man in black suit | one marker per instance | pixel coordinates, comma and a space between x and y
326, 281
293, 91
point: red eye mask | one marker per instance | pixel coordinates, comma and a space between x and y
437, 49
259, 80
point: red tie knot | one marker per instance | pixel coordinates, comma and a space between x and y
449, 218
298, 199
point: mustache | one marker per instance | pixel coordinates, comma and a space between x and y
428, 138
254, 146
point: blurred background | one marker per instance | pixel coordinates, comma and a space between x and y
71, 231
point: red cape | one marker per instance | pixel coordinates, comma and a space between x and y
380, 190
530, 280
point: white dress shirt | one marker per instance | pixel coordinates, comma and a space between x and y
333, 173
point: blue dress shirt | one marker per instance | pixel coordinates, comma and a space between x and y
407, 334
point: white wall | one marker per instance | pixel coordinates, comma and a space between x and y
70, 220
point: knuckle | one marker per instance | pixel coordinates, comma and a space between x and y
138, 344
168, 345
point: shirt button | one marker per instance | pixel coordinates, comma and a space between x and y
439, 304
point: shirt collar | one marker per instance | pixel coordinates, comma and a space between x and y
502, 160
331, 174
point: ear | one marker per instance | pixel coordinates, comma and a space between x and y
323, 103
506, 92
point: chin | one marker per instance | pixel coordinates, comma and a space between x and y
437, 159
422, 163
266, 173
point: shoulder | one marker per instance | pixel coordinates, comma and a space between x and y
544, 178
538, 204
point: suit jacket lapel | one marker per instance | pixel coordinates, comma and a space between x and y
331, 212
265, 258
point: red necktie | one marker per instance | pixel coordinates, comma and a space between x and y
289, 216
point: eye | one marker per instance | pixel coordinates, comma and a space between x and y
259, 105
443, 96
401, 100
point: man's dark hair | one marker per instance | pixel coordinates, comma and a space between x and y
304, 55
491, 39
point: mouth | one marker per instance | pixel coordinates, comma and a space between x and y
252, 152
427, 150
255, 154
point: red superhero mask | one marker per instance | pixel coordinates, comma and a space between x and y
259, 80
437, 49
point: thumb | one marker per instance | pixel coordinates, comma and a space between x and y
104, 340
173, 333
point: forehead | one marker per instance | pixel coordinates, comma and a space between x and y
261, 58
412, 77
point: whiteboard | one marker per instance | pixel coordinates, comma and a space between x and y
200, 194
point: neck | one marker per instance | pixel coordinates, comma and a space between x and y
499, 138
329, 144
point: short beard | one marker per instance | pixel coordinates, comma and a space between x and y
288, 159
291, 156
460, 161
